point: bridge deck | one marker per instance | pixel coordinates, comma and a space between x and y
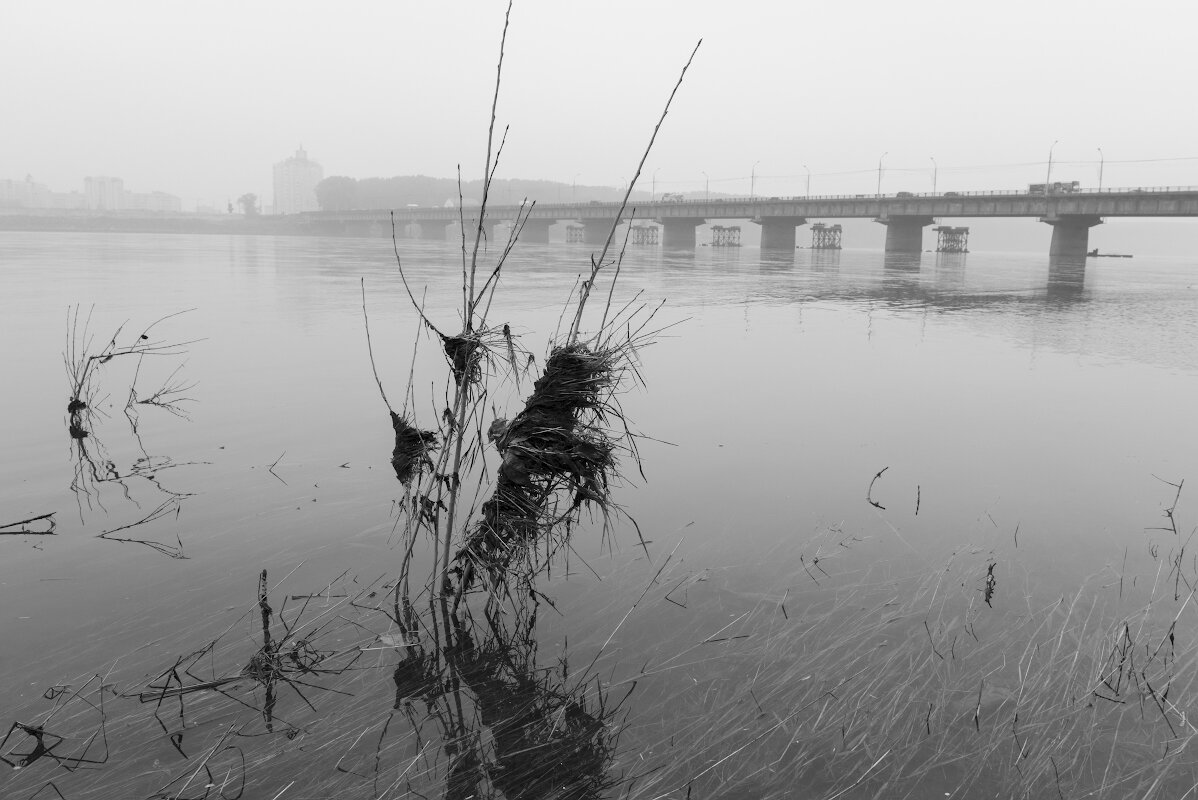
1146, 202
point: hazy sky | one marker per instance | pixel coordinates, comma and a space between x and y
200, 99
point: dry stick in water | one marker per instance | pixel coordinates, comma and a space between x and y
462, 398
869, 492
21, 523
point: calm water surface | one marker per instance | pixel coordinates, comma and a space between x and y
1026, 417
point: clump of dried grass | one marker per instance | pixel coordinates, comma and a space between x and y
556, 446
412, 447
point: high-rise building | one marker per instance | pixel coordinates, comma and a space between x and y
104, 194
295, 184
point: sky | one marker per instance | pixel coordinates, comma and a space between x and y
200, 99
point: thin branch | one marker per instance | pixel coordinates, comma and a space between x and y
370, 349
488, 170
271, 468
870, 490
596, 265
21, 523
404, 278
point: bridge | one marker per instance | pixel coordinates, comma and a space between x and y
1070, 213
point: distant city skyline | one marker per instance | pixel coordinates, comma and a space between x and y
778, 92
100, 193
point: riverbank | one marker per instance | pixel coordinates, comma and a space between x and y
143, 222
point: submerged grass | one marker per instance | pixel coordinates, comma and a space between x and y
858, 677
872, 685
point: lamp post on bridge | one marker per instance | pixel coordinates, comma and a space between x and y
808, 179
1101, 163
753, 180
574, 188
880, 172
1048, 175
706, 186
935, 169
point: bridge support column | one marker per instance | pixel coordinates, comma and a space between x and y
904, 234
595, 231
432, 229
679, 233
536, 230
1070, 234
778, 233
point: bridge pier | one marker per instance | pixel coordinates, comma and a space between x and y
536, 230
904, 234
432, 229
778, 233
678, 233
1070, 234
595, 231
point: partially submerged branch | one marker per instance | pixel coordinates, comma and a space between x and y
22, 526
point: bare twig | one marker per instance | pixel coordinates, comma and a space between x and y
870, 490
370, 350
271, 468
597, 264
23, 530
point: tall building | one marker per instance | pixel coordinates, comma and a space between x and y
104, 194
295, 184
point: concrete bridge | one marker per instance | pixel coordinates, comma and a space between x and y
1071, 215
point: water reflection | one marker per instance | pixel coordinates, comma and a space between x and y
775, 260
467, 709
510, 727
824, 260
909, 281
949, 270
902, 262
1066, 278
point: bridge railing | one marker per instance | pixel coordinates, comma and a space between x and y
894, 196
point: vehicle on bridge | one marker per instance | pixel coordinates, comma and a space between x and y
672, 197
1056, 187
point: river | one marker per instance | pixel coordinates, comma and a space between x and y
872, 491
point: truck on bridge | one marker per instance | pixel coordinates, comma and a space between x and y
1056, 187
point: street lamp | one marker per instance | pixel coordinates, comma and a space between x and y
653, 191
1101, 163
574, 187
808, 179
753, 180
935, 169
706, 186
880, 172
1048, 175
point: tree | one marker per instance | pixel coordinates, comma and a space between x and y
249, 204
337, 193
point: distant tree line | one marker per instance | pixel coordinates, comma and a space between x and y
339, 193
